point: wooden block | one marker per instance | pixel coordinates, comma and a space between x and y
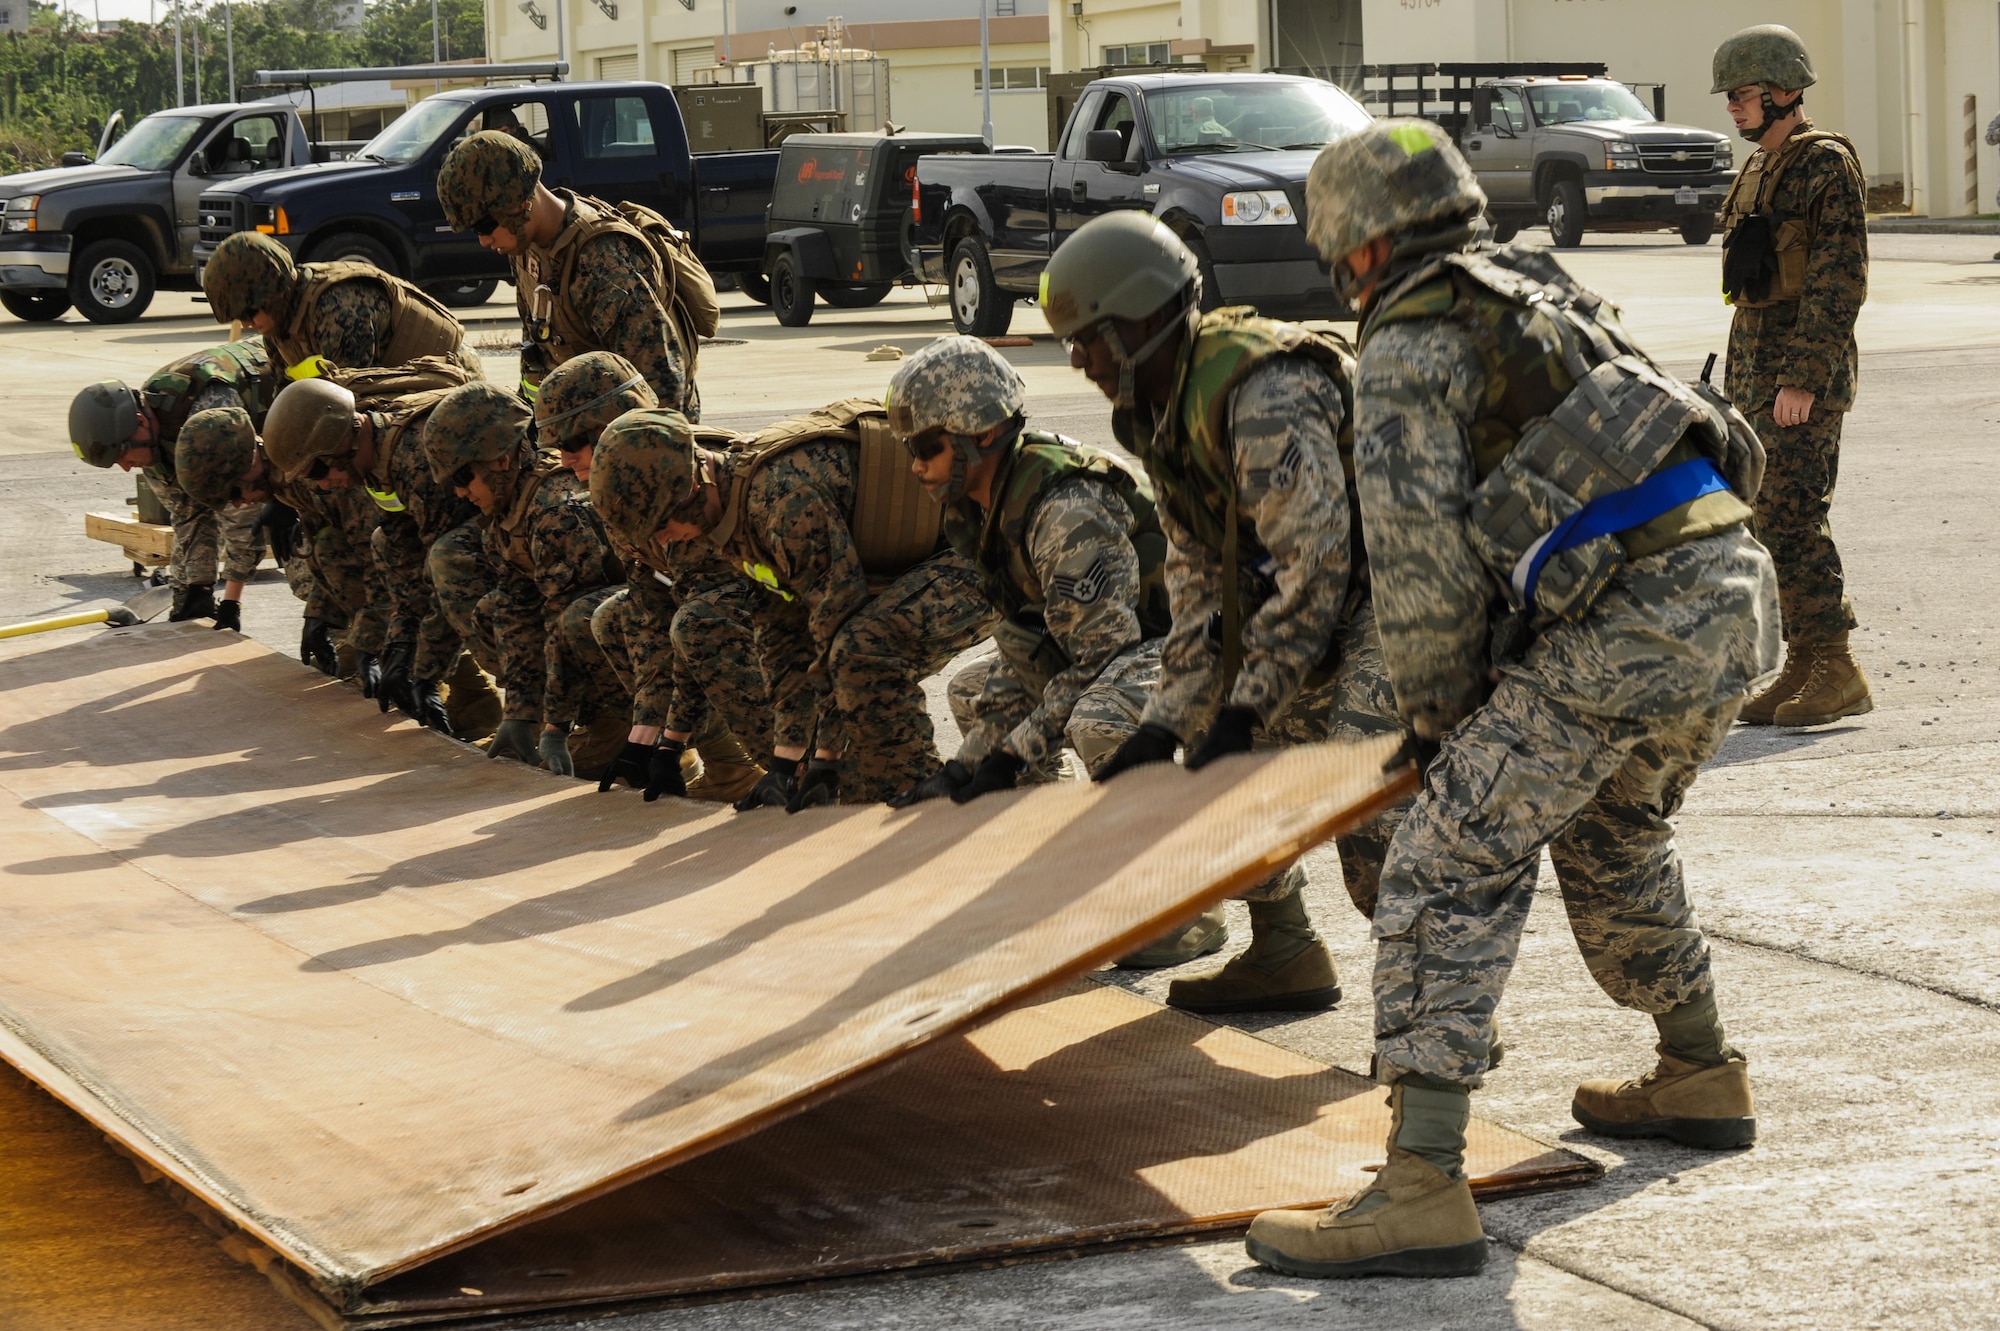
148, 543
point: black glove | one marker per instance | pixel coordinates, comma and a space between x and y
316, 647
820, 784
394, 685
663, 771
280, 526
1229, 734
1148, 744
998, 770
774, 789
1422, 752
629, 766
192, 603
554, 747
229, 615
938, 785
514, 739
368, 669
427, 708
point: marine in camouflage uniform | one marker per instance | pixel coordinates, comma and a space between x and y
111, 425
843, 662
682, 603
1564, 699
1796, 272
346, 313
1239, 422
545, 549
611, 294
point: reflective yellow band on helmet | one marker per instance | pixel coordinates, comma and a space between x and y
1042, 295
529, 392
386, 500
309, 368
765, 575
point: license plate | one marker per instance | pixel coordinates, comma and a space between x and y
1687, 197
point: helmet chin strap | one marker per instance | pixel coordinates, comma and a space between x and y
1773, 113
966, 454
1188, 320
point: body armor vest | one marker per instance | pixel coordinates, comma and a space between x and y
895, 523
418, 325
398, 396
1765, 250
168, 393
997, 544
511, 534
1574, 411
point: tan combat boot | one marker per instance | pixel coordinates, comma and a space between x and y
1205, 933
1761, 710
727, 770
1691, 1103
1286, 968
595, 746
471, 704
1834, 687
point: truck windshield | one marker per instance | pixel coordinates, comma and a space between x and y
1246, 117
153, 143
1561, 103
414, 131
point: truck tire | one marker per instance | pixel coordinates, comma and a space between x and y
856, 296
38, 306
354, 245
791, 292
464, 295
756, 286
1211, 287
1567, 212
1504, 232
111, 282
1698, 228
979, 308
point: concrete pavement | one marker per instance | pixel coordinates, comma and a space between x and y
1848, 876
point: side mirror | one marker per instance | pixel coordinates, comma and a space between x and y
198, 163
1482, 107
76, 157
1104, 145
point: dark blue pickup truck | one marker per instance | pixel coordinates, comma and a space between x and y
624, 142
1220, 158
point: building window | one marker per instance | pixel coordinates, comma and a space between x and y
1004, 9
1137, 53
1019, 79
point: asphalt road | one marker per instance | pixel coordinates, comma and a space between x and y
1849, 876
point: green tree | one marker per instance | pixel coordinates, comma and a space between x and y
398, 32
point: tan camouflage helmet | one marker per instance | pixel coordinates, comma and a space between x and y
249, 272
1768, 54
490, 174
1392, 177
956, 384
309, 420
583, 395
213, 452
102, 421
643, 469
475, 422
1123, 265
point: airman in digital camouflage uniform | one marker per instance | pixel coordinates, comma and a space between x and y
1239, 422
346, 313
110, 425
1795, 269
843, 664
677, 596
331, 565
1571, 609
362, 430
585, 278
546, 549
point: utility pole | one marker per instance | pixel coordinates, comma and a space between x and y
986, 73
229, 40
437, 85
194, 49
180, 85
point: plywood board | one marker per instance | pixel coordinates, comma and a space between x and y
374, 998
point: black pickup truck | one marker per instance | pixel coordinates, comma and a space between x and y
1220, 158
624, 142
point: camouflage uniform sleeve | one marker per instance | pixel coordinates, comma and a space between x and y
652, 647
350, 325
1420, 386
405, 582
433, 511
1080, 544
630, 319
798, 506
1819, 347
535, 358
520, 634
242, 550
569, 555
1190, 669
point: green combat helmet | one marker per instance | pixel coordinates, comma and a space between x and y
1123, 265
1392, 178
643, 471
960, 388
249, 272
489, 175
309, 420
214, 451
473, 423
583, 395
1770, 56
101, 420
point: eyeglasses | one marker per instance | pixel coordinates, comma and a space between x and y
923, 447
485, 226
1739, 96
322, 467
461, 478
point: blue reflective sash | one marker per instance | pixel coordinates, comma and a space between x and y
1621, 510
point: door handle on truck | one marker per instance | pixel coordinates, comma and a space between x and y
1079, 190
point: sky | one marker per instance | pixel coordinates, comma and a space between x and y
141, 10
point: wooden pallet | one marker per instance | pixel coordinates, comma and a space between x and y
147, 543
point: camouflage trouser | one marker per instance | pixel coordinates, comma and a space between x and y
1802, 462
716, 679
1105, 714
585, 687
1523, 772
461, 573
200, 530
342, 573
877, 661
